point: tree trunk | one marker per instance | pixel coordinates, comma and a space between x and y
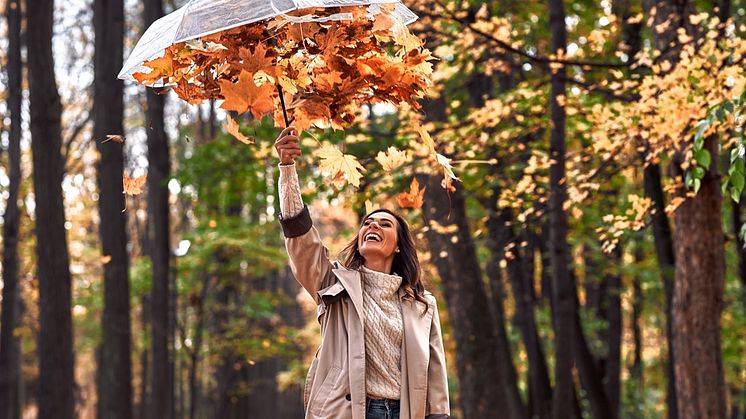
741, 251
663, 239
590, 378
145, 361
194, 388
563, 286
10, 365
700, 264
115, 369
610, 312
55, 350
162, 387
520, 274
698, 299
637, 367
483, 390
508, 377
653, 189
225, 375
613, 309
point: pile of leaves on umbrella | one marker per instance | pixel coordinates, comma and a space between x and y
324, 69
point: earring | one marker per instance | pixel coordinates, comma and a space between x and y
397, 250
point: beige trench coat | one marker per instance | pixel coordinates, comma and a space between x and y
335, 385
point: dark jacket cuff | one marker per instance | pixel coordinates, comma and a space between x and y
297, 225
437, 416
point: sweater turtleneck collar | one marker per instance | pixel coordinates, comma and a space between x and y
385, 283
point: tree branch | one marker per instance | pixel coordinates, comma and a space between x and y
509, 48
74, 134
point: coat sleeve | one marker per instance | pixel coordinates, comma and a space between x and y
309, 259
437, 378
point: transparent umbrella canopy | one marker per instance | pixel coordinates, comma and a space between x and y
204, 17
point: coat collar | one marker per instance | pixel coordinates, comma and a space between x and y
351, 280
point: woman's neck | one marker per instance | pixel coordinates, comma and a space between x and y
380, 265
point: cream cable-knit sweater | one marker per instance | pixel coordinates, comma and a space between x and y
383, 334
381, 308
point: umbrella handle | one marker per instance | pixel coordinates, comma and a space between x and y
282, 102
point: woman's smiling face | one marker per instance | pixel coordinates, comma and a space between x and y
378, 236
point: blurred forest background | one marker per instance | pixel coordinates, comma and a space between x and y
589, 262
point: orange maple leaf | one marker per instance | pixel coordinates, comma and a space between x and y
133, 186
258, 60
244, 95
384, 22
309, 112
326, 81
231, 126
300, 31
162, 67
414, 198
189, 92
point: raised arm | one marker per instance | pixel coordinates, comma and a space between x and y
309, 259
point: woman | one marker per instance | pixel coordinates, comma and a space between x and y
381, 354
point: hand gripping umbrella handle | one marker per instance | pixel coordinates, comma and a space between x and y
282, 102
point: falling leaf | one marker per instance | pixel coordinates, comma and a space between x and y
116, 138
414, 198
133, 186
231, 126
392, 158
105, 259
341, 166
371, 206
426, 138
245, 95
445, 163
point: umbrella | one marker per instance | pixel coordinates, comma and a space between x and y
323, 57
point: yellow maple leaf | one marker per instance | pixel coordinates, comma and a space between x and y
371, 206
288, 85
341, 166
426, 138
392, 158
245, 95
443, 161
231, 127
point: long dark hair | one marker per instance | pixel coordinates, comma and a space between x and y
406, 264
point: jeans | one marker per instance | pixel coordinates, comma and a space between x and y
382, 409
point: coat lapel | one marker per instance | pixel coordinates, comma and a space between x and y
351, 280
415, 357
